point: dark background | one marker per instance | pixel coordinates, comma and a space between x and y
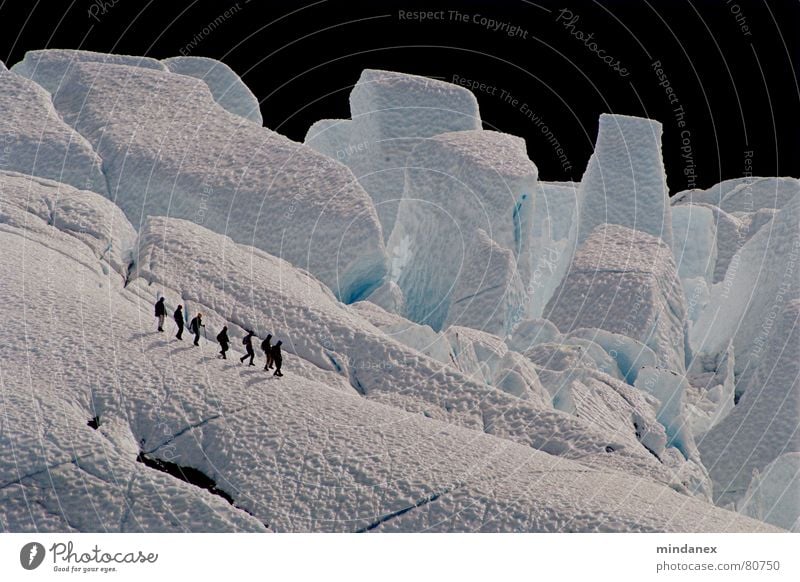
739, 92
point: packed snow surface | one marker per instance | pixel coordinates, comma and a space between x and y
35, 141
225, 85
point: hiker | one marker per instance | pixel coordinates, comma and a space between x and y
248, 344
178, 315
222, 338
195, 326
161, 313
277, 358
266, 346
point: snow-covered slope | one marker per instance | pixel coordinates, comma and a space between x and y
391, 114
624, 182
49, 67
169, 149
292, 454
225, 85
461, 244
37, 142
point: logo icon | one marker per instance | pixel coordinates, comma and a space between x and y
31, 555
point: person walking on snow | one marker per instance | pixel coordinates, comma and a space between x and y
222, 338
195, 326
266, 346
178, 316
277, 358
248, 344
161, 313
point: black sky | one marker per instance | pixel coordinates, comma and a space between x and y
732, 65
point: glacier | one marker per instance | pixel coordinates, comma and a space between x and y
466, 346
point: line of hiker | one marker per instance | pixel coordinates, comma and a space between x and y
272, 352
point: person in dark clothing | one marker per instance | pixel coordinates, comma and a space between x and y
277, 358
248, 344
266, 346
195, 326
161, 313
178, 316
222, 338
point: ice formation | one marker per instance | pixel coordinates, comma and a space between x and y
555, 224
774, 494
391, 114
624, 182
474, 190
38, 143
624, 281
466, 348
169, 149
50, 67
225, 85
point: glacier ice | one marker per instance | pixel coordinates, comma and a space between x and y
624, 281
774, 494
694, 242
225, 85
169, 149
37, 142
624, 182
763, 424
748, 194
50, 67
568, 360
391, 114
458, 184
756, 289
555, 217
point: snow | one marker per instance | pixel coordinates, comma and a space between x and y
756, 289
37, 142
389, 296
694, 242
225, 85
624, 182
465, 347
669, 388
362, 465
555, 217
774, 495
458, 184
748, 194
629, 355
50, 67
391, 114
624, 281
530, 332
85, 216
763, 425
710, 394
169, 149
